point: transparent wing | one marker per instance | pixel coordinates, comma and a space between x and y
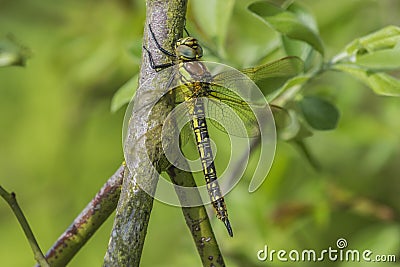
284, 67
268, 76
230, 113
235, 116
223, 108
181, 118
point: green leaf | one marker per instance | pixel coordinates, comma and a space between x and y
299, 48
388, 59
12, 53
365, 58
386, 38
304, 132
319, 113
288, 23
291, 127
304, 15
295, 129
381, 83
281, 3
124, 94
280, 97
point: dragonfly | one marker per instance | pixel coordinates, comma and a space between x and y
194, 82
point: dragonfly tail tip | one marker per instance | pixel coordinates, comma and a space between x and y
228, 226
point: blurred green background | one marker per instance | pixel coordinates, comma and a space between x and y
59, 142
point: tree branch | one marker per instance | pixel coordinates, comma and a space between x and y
134, 206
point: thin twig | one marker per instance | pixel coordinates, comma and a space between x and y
197, 220
87, 222
12, 201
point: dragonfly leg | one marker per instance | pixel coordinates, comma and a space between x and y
186, 31
166, 52
155, 66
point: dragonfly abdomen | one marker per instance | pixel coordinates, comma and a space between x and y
199, 126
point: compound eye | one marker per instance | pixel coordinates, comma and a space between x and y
199, 52
186, 52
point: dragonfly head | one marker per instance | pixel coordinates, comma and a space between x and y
188, 49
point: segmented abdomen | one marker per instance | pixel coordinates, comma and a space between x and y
199, 126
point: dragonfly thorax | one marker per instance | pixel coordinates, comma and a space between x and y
188, 49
